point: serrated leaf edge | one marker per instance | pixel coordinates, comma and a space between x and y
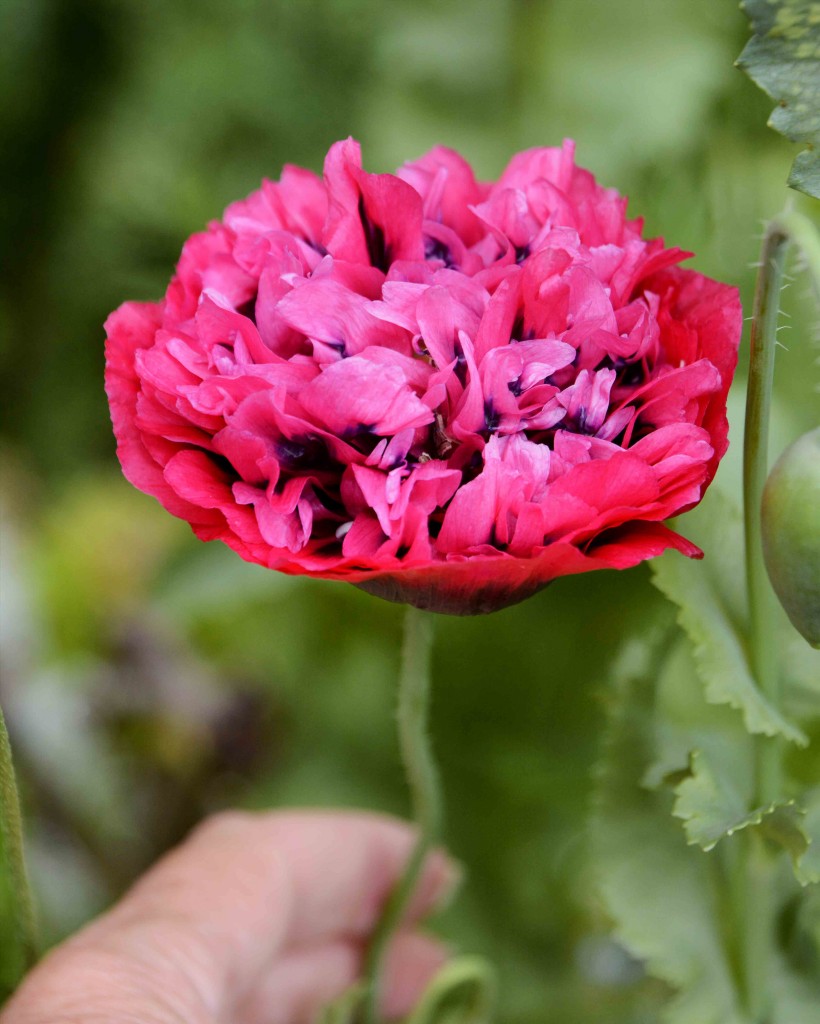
712, 691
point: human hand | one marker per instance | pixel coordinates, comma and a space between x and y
254, 919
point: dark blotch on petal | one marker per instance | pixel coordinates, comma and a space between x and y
434, 249
304, 453
248, 309
377, 249
461, 363
630, 374
491, 417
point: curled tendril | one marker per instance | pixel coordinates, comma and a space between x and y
463, 992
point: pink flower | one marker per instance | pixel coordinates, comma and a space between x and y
445, 391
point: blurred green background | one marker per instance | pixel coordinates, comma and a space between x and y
149, 679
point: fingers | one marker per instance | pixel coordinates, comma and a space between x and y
202, 927
343, 867
304, 982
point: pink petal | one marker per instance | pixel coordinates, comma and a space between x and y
354, 395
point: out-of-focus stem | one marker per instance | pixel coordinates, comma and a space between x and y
422, 777
11, 835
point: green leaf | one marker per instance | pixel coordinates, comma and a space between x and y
705, 755
712, 611
702, 752
661, 893
684, 721
666, 896
711, 806
783, 58
804, 175
807, 864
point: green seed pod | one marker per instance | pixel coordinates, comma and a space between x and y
791, 533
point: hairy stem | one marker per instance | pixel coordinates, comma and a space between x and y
789, 227
422, 777
756, 912
762, 651
11, 839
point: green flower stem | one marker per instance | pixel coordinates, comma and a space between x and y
755, 468
751, 884
787, 228
755, 919
11, 837
422, 777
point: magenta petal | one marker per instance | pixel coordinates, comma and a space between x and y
356, 395
196, 478
372, 218
549, 164
448, 188
324, 310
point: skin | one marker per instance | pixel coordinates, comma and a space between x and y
254, 919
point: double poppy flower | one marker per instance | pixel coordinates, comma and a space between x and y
445, 391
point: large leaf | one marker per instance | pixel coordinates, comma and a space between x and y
783, 57
704, 753
712, 611
714, 786
660, 892
684, 722
663, 893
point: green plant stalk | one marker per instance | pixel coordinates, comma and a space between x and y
422, 777
788, 227
762, 653
755, 913
11, 835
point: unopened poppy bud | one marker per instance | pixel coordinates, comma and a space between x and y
791, 533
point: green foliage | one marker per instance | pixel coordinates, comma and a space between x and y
710, 807
669, 899
704, 754
715, 796
783, 57
711, 609
675, 812
660, 892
